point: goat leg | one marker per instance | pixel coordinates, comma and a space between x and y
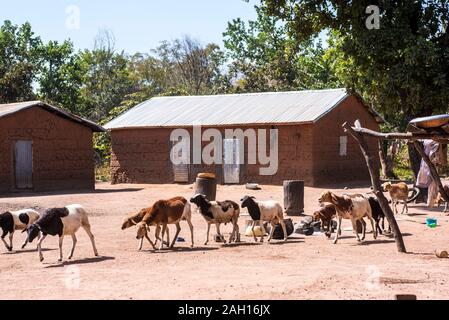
11, 235
6, 245
445, 207
178, 229
61, 240
337, 233
354, 227
157, 233
363, 228
25, 243
191, 231
149, 240
74, 241
262, 228
91, 237
232, 236
140, 244
377, 226
252, 230
164, 228
373, 227
327, 227
237, 231
207, 234
167, 243
271, 231
284, 229
39, 247
217, 226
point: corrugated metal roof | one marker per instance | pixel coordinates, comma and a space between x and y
231, 109
11, 108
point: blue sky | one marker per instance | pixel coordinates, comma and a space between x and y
138, 25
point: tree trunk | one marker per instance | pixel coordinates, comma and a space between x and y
375, 181
294, 197
386, 160
415, 159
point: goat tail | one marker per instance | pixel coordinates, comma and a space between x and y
415, 193
187, 211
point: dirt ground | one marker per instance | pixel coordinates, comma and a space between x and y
305, 267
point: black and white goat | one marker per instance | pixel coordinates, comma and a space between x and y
261, 211
219, 212
11, 221
62, 222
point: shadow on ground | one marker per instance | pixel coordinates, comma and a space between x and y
68, 192
81, 261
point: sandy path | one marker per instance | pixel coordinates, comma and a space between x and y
305, 267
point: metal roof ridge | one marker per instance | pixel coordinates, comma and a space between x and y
246, 94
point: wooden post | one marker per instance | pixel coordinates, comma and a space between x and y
375, 181
433, 171
206, 186
294, 197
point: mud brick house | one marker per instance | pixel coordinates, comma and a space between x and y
312, 145
43, 148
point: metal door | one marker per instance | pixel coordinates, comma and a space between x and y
181, 171
231, 165
23, 164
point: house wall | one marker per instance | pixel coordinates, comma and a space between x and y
63, 157
143, 156
308, 152
329, 167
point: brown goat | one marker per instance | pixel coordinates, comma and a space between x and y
325, 215
398, 192
164, 212
133, 219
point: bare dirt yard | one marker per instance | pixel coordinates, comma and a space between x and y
305, 267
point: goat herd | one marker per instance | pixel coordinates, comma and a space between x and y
68, 220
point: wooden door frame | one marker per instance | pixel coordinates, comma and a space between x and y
224, 163
13, 155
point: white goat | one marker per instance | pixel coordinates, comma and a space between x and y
11, 221
261, 211
62, 222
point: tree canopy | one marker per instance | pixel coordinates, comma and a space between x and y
402, 68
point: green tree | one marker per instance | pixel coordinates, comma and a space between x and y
402, 68
61, 75
19, 61
106, 79
189, 66
265, 57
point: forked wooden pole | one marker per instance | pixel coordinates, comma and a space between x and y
375, 181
